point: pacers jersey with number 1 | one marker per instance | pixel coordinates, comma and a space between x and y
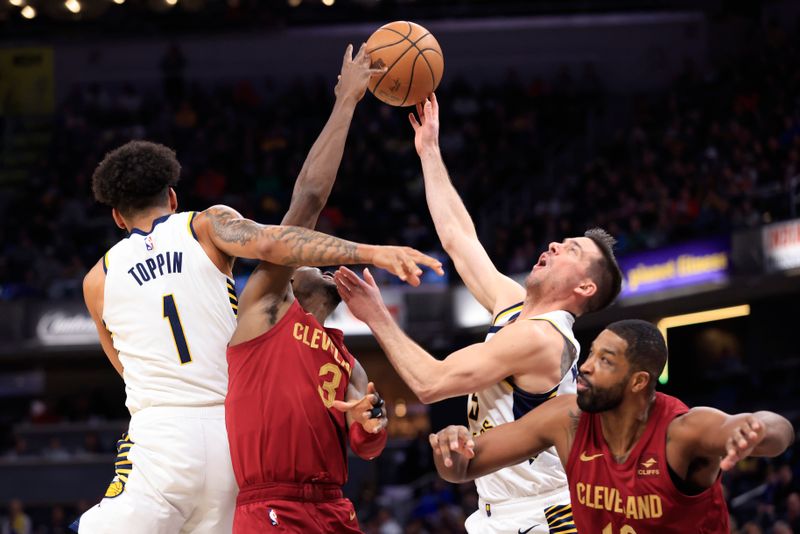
506, 402
171, 313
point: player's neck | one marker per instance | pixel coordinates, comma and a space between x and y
144, 220
624, 425
320, 310
539, 304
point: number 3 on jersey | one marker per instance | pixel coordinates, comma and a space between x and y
171, 313
328, 388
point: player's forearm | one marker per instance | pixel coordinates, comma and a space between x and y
779, 434
294, 246
418, 369
450, 216
316, 178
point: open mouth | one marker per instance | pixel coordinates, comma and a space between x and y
542, 260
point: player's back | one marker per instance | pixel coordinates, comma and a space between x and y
282, 383
638, 495
171, 313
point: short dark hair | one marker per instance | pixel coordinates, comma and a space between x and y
647, 350
136, 176
604, 271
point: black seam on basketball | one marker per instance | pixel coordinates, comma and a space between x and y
433, 76
410, 79
392, 66
403, 38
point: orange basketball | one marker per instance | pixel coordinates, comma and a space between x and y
414, 61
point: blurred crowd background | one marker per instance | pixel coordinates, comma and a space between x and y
534, 158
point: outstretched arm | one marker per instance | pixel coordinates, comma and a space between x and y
316, 178
93, 289
311, 191
293, 246
464, 371
454, 226
460, 457
710, 433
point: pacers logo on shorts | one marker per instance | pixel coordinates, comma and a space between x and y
115, 488
122, 468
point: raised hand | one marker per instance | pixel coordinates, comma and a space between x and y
741, 442
426, 130
362, 297
355, 74
369, 411
453, 439
404, 262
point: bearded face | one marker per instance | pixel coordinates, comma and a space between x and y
595, 399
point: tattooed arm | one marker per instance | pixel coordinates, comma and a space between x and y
225, 230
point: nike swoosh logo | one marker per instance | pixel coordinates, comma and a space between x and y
585, 458
528, 529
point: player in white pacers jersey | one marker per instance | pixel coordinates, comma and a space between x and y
165, 307
528, 356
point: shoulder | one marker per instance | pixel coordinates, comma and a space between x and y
216, 213
94, 284
528, 335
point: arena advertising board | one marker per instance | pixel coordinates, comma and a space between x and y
69, 324
689, 264
64, 325
781, 242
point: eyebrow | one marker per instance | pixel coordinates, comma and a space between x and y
571, 241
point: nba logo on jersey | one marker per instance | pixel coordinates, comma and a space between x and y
148, 243
273, 517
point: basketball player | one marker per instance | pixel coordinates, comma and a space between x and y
637, 461
289, 375
165, 308
529, 354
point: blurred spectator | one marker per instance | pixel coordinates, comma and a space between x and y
17, 521
55, 451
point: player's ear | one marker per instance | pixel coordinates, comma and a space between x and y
118, 219
640, 380
587, 288
173, 201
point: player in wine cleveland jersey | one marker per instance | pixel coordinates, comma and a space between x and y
637, 461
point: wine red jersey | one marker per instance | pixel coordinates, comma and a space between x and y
637, 496
281, 386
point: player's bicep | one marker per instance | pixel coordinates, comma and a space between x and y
700, 431
93, 289
484, 364
231, 233
489, 286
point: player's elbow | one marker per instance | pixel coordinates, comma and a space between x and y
430, 392
312, 200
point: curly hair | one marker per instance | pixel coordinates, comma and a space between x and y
136, 176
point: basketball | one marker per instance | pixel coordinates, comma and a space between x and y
414, 61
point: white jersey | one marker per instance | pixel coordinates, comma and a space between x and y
171, 314
506, 402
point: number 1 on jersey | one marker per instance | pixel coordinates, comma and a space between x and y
171, 313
